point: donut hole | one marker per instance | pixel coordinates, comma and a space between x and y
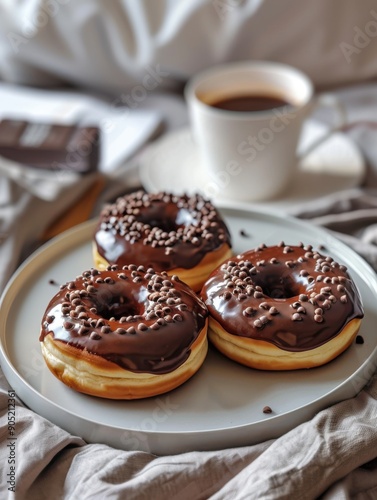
167, 219
163, 224
114, 304
116, 308
279, 287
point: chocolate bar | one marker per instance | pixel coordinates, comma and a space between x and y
50, 146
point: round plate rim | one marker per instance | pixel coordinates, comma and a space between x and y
80, 232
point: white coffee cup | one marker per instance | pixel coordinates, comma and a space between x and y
248, 155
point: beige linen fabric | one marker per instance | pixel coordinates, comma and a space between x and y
302, 464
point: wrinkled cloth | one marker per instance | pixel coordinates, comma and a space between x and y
337, 449
24, 216
122, 129
332, 456
32, 198
128, 49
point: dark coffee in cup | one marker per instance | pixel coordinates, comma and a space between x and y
247, 103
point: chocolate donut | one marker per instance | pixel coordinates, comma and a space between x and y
124, 333
182, 235
282, 308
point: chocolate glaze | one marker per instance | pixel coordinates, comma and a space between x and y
139, 319
160, 230
291, 296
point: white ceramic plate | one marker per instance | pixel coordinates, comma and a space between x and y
172, 163
221, 406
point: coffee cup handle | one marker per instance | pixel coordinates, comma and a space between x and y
327, 101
